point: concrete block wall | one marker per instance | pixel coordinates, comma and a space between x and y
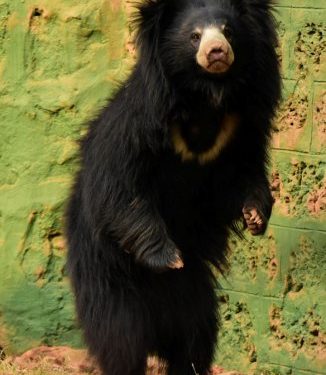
59, 61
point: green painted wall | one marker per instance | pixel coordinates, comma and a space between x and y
274, 300
59, 62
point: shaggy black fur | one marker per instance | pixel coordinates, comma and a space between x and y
137, 207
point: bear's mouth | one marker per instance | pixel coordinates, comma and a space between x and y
218, 66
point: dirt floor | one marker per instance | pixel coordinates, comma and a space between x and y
67, 361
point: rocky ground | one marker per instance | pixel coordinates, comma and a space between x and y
67, 361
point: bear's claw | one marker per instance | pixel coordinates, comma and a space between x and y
177, 264
254, 220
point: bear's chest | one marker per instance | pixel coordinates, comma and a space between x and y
203, 142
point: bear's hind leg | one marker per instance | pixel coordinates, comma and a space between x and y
111, 364
122, 356
194, 354
185, 366
194, 360
120, 339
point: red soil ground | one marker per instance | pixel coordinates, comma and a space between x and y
77, 362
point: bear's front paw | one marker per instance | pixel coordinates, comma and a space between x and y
168, 260
161, 260
176, 262
255, 220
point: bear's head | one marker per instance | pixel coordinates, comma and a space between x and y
200, 39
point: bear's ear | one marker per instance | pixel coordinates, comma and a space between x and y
148, 20
259, 15
150, 9
256, 5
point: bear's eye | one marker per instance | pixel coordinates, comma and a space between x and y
195, 37
227, 31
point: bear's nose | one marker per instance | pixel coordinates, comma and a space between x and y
217, 53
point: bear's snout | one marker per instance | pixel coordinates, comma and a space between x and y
215, 54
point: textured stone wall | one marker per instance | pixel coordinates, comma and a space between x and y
59, 61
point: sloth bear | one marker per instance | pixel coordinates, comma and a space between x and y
169, 169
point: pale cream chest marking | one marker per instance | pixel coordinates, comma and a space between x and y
228, 128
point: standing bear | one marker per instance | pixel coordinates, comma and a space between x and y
168, 170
